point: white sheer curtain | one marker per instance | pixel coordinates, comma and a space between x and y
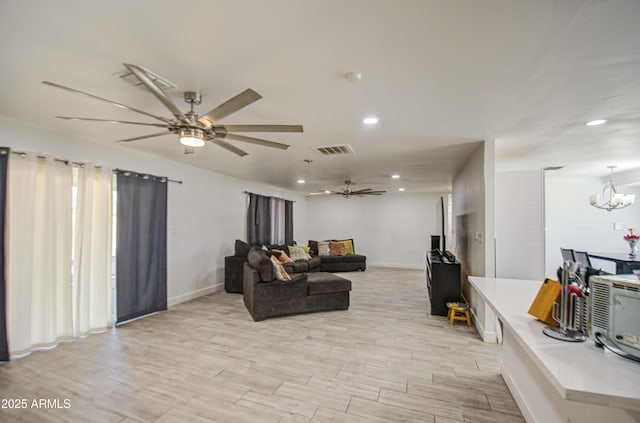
92, 290
277, 220
39, 306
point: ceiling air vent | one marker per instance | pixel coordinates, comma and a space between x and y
161, 82
332, 150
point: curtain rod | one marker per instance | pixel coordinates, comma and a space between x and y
126, 172
23, 154
70, 162
279, 198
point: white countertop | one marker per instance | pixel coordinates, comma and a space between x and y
578, 371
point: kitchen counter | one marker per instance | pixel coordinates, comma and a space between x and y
556, 381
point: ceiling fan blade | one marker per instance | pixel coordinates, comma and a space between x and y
362, 190
122, 106
232, 105
229, 147
257, 141
372, 193
160, 95
159, 125
145, 136
263, 128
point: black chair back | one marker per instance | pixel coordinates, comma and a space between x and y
567, 254
582, 257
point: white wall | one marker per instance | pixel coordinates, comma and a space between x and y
571, 222
206, 213
391, 230
473, 209
520, 225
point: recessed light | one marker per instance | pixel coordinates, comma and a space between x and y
401, 189
301, 181
371, 120
326, 191
395, 176
596, 122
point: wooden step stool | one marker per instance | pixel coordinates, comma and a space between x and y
458, 311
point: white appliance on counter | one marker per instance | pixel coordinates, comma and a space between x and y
615, 312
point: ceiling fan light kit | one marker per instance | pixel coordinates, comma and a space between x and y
192, 137
192, 130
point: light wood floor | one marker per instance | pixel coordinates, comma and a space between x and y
384, 360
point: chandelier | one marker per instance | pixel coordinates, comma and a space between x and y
611, 199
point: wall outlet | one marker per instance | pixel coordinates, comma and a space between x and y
619, 226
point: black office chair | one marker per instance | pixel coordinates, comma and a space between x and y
582, 257
567, 254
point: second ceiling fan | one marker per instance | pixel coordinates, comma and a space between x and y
347, 192
193, 130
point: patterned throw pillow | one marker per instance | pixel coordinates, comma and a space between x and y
307, 251
323, 248
336, 248
348, 247
296, 253
281, 274
282, 256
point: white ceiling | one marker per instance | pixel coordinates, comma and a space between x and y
440, 75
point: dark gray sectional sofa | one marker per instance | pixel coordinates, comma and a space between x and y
265, 296
233, 265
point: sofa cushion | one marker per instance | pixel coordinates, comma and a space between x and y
259, 260
314, 262
313, 247
241, 248
352, 258
326, 283
281, 274
336, 248
300, 266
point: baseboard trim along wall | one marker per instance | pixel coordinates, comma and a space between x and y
396, 265
194, 294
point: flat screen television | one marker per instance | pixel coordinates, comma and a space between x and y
440, 224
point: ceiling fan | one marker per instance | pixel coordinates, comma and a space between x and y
193, 130
347, 192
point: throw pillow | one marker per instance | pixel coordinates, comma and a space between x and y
241, 248
348, 247
281, 274
323, 248
313, 246
307, 251
296, 253
282, 256
336, 248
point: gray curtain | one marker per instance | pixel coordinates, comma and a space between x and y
258, 220
288, 222
141, 245
4, 344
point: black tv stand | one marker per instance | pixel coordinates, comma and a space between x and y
443, 281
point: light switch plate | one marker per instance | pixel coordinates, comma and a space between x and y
619, 226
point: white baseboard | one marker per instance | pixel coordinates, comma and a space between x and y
487, 335
397, 265
194, 294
